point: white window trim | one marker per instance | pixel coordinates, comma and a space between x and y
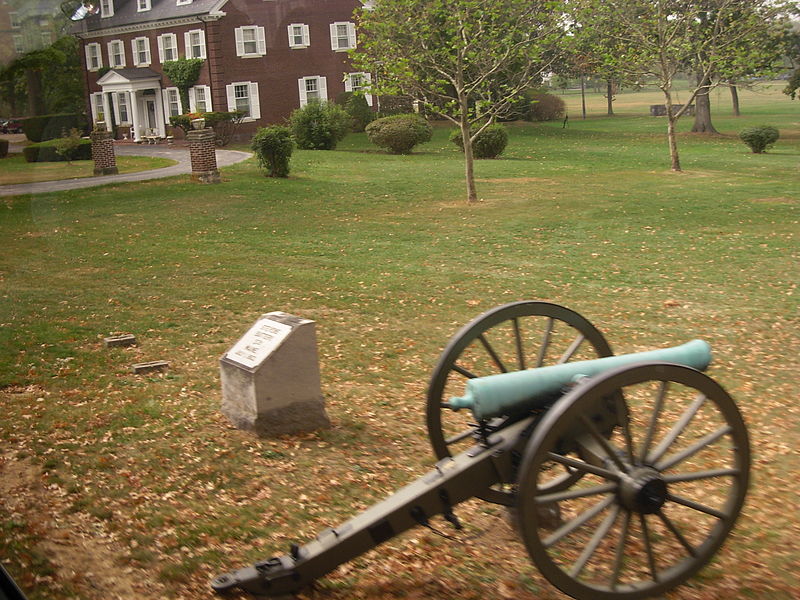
135, 51
89, 47
348, 85
306, 35
139, 7
117, 113
261, 41
322, 88
110, 48
351, 36
160, 40
165, 93
182, 2
255, 105
193, 98
187, 41
106, 8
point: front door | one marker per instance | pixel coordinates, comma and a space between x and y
150, 114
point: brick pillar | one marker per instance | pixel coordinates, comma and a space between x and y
203, 153
105, 161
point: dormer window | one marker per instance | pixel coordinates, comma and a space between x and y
142, 5
181, 2
106, 8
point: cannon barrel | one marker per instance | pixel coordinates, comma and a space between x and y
522, 391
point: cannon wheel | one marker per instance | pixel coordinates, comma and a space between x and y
510, 337
659, 495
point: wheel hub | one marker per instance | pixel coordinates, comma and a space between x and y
643, 491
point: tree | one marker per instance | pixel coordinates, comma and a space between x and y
714, 39
466, 60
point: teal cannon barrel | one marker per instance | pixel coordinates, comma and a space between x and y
522, 391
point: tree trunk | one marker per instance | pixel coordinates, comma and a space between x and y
472, 194
610, 97
702, 103
735, 100
35, 95
583, 96
672, 138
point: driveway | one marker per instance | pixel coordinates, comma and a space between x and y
177, 153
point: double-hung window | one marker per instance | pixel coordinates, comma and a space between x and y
358, 82
123, 117
299, 36
195, 41
142, 5
141, 51
94, 60
343, 36
250, 41
200, 99
167, 47
172, 102
106, 8
116, 54
312, 89
243, 96
98, 110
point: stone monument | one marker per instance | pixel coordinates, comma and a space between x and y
270, 378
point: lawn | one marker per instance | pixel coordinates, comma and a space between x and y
15, 169
140, 481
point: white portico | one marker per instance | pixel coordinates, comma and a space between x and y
135, 99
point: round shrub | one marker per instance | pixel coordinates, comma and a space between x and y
758, 139
399, 133
273, 148
546, 107
489, 143
319, 125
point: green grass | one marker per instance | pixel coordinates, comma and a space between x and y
385, 255
15, 169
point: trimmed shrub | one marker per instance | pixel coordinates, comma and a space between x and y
758, 139
48, 152
3, 148
399, 133
490, 142
49, 127
356, 106
273, 148
223, 123
319, 125
67, 145
545, 107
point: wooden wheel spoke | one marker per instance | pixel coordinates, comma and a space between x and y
591, 547
697, 506
579, 493
491, 351
548, 330
572, 525
651, 559
676, 430
678, 535
573, 348
518, 343
651, 428
583, 466
608, 449
624, 417
461, 370
677, 458
619, 554
680, 477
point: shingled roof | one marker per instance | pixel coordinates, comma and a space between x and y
125, 13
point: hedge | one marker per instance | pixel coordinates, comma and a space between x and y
46, 152
49, 127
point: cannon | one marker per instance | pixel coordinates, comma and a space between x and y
625, 473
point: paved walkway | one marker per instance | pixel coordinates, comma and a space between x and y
178, 153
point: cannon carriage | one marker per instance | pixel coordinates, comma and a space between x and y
642, 459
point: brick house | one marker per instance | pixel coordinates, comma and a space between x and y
264, 57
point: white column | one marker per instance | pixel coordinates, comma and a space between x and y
135, 119
162, 131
